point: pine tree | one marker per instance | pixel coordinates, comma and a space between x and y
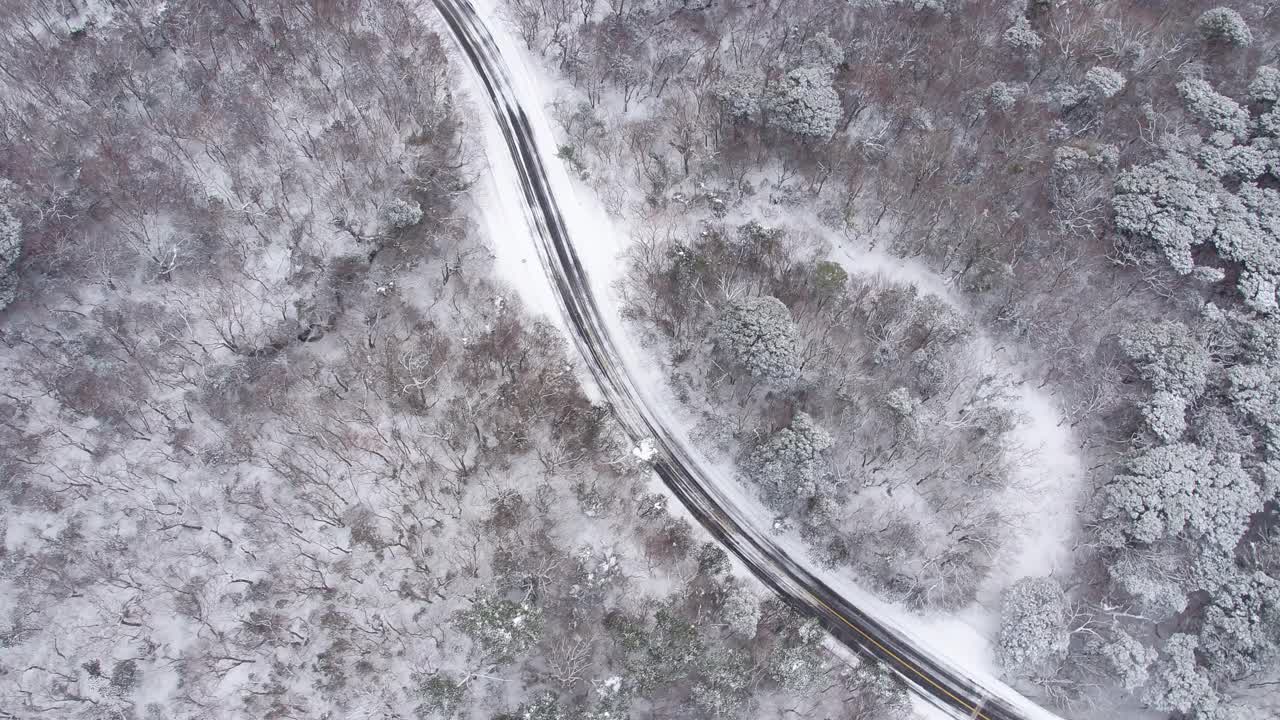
1176, 683
740, 611
804, 103
1033, 626
1127, 659
10, 246
724, 685
503, 629
399, 214
1169, 357
1265, 87
1241, 629
1103, 82
1226, 25
1184, 489
789, 465
759, 334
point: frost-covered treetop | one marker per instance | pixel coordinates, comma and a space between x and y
1021, 36
740, 93
1225, 25
1265, 87
1241, 630
1184, 489
740, 611
1255, 392
1166, 414
1033, 625
787, 465
803, 102
1002, 96
821, 51
938, 6
1169, 357
1068, 159
1127, 657
901, 403
503, 629
10, 246
1218, 111
1249, 233
1177, 684
760, 335
399, 214
1103, 82
1171, 202
1181, 201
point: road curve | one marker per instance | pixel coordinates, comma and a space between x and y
945, 686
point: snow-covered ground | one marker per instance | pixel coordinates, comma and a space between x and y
507, 220
1050, 475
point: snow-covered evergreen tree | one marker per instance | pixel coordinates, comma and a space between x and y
740, 611
1154, 582
1248, 232
10, 246
1169, 357
1255, 392
799, 664
759, 334
1033, 626
1226, 25
713, 560
1183, 488
1002, 96
545, 706
1103, 82
1171, 202
723, 686
1265, 87
399, 214
441, 694
875, 693
503, 629
821, 51
1022, 37
1217, 111
1176, 683
1166, 414
667, 652
804, 103
1127, 658
740, 93
789, 464
1241, 629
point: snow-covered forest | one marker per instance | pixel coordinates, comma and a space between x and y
980, 300
276, 441
860, 231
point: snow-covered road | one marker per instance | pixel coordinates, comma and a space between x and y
856, 619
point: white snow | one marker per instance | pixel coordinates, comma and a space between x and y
613, 684
645, 451
506, 217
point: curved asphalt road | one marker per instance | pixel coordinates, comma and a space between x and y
945, 686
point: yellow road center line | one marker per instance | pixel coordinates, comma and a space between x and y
977, 713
